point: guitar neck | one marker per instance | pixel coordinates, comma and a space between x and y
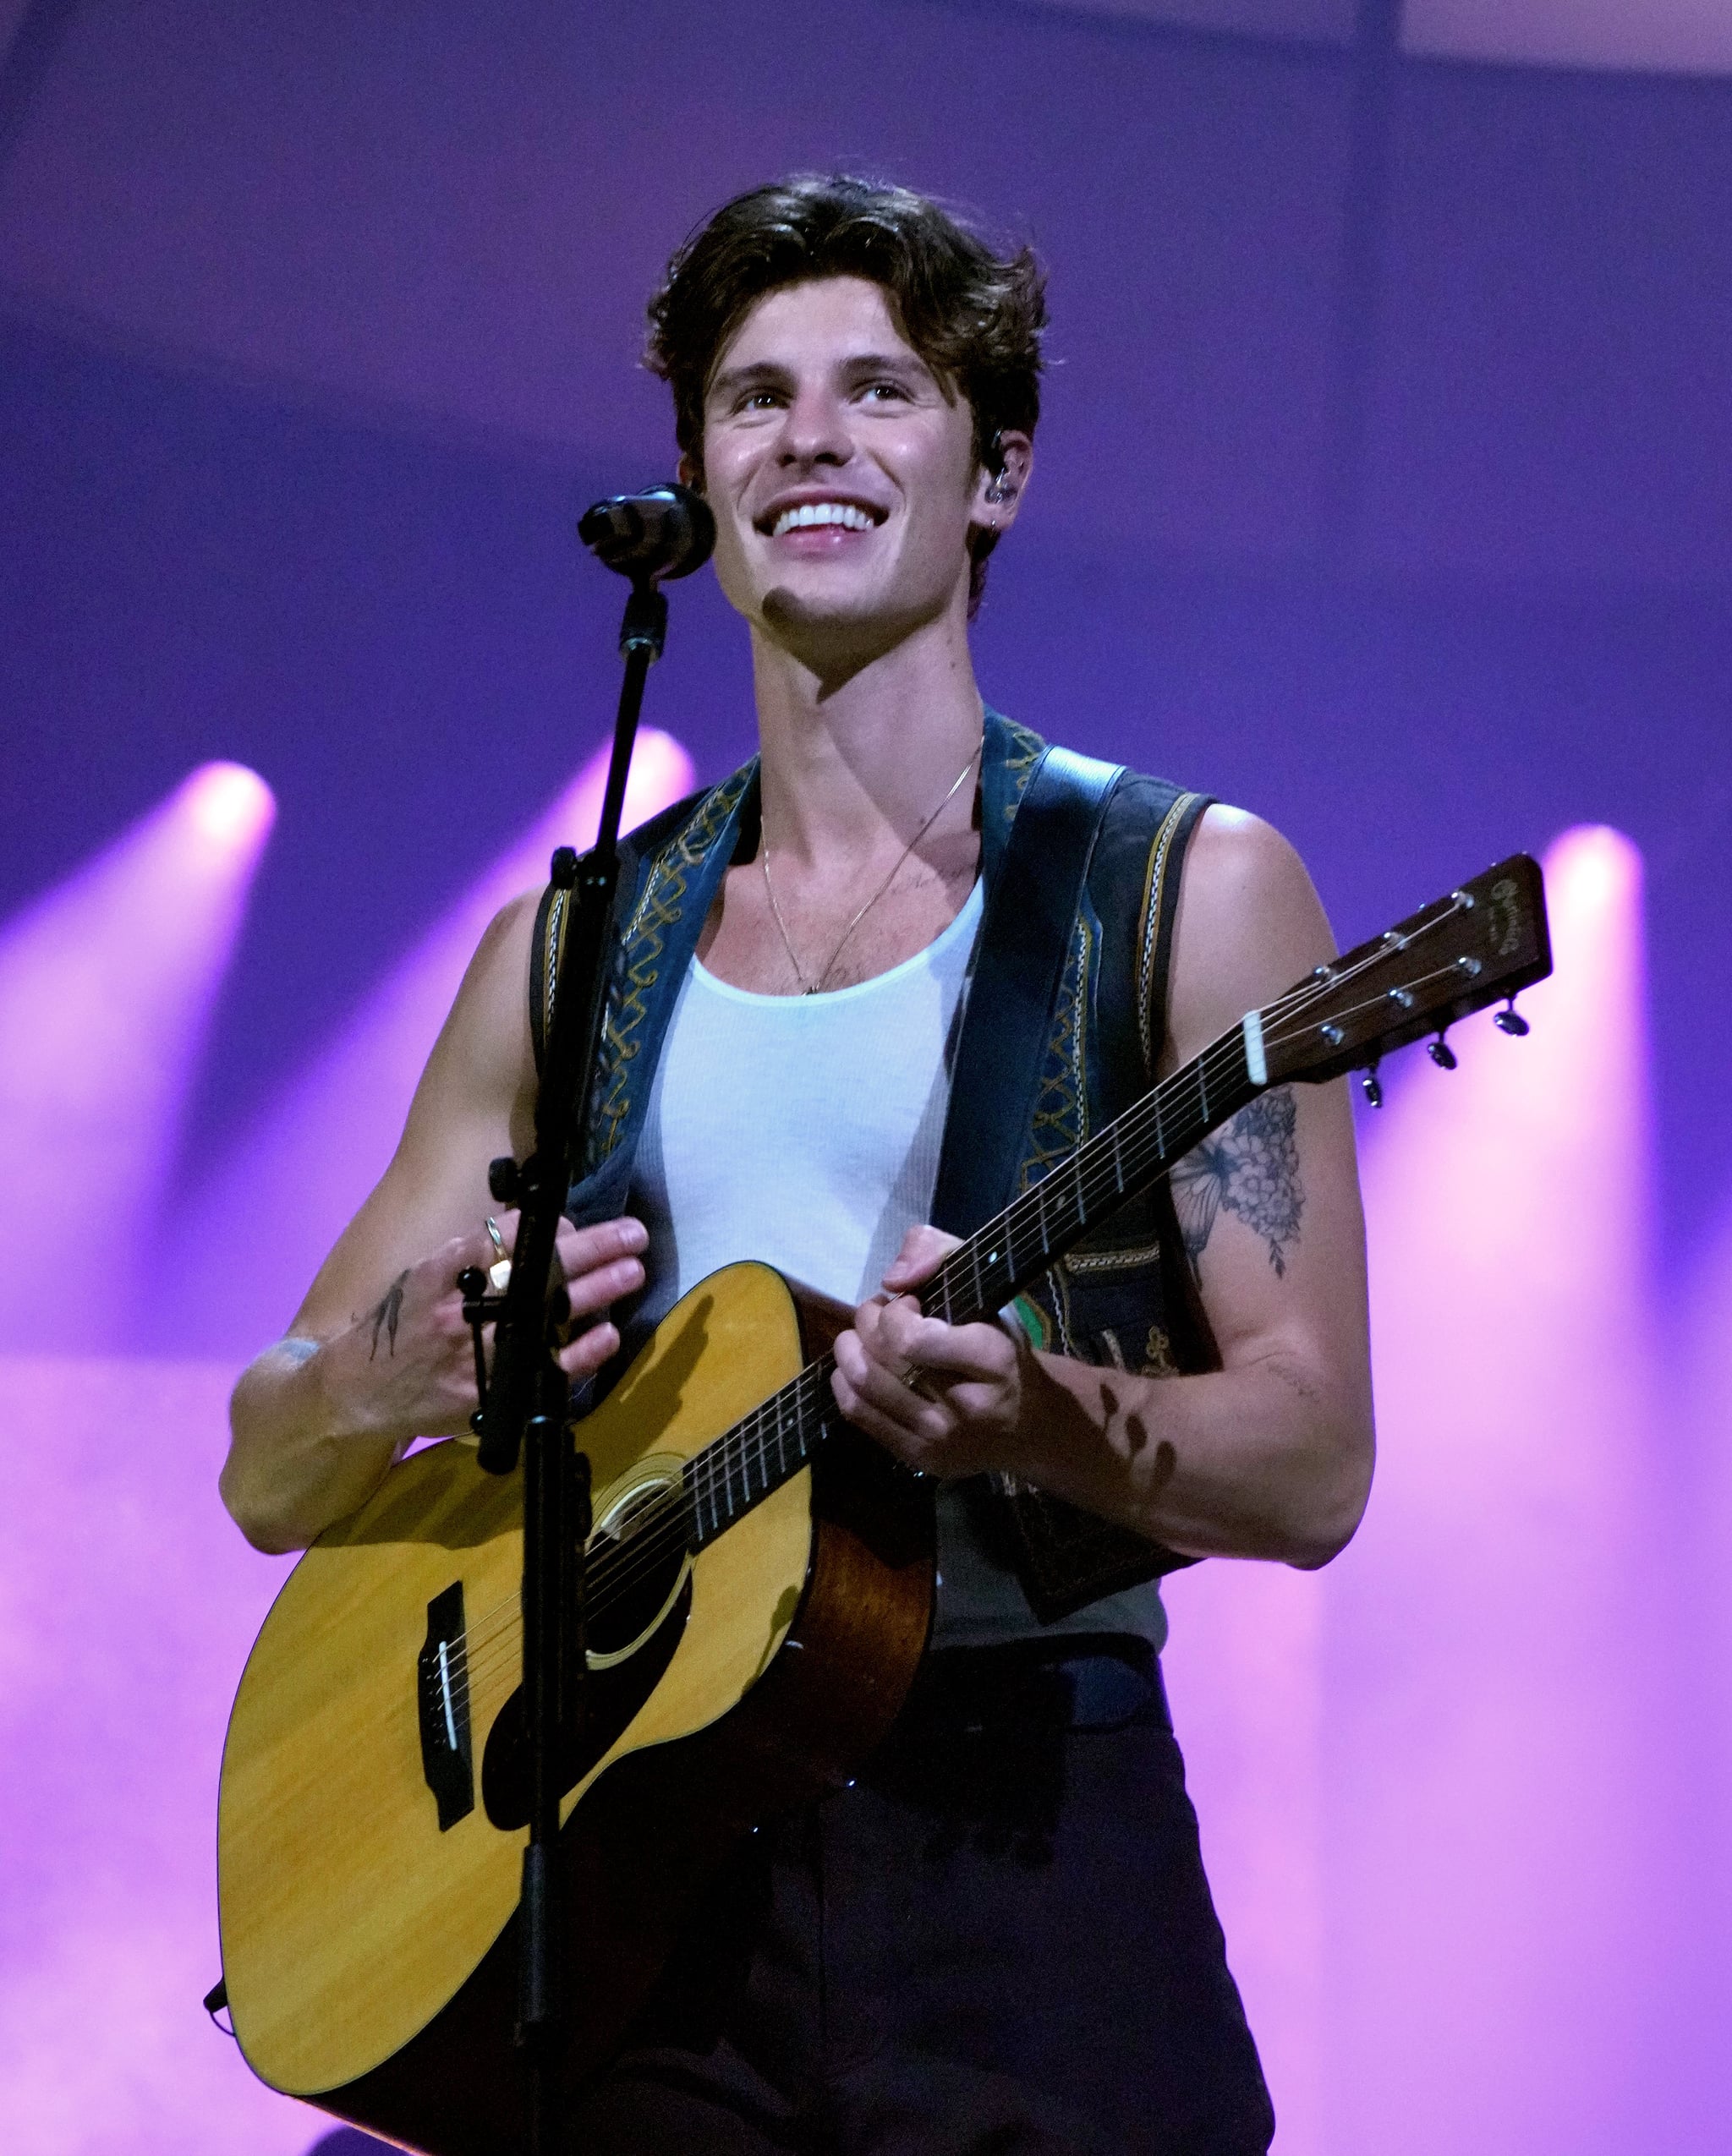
1486, 940
741, 1468
1053, 1215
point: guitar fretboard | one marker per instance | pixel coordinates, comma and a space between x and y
740, 1468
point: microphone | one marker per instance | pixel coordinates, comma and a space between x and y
664, 531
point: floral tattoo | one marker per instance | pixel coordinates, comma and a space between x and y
1250, 1169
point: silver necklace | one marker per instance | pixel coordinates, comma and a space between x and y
812, 988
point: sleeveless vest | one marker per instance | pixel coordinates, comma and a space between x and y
1126, 1296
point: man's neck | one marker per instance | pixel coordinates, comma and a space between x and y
854, 764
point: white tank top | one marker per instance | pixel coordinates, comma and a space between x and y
804, 1131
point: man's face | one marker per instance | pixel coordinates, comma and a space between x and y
842, 476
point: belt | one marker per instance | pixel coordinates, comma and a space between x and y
1077, 1681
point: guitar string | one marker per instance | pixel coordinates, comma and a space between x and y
663, 1526
483, 1667
622, 1565
618, 1567
1091, 1187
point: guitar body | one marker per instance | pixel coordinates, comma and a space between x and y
373, 1807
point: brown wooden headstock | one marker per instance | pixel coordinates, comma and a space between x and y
1481, 944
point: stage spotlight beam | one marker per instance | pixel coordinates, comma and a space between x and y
106, 985
1492, 1871
249, 1242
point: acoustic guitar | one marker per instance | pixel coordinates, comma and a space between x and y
759, 1592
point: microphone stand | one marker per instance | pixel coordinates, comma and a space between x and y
526, 1399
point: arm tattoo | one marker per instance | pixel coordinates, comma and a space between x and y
385, 1314
1250, 1167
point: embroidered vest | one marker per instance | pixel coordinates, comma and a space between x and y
1125, 1296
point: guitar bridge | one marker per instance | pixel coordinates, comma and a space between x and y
442, 1703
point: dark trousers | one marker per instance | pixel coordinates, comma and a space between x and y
999, 1940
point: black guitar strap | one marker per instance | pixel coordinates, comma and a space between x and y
1031, 915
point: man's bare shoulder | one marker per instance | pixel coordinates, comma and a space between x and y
1249, 924
501, 958
484, 1059
475, 1099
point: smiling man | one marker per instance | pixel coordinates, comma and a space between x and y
999, 1938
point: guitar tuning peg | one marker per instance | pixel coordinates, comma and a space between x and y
1441, 1053
1373, 1087
1510, 1020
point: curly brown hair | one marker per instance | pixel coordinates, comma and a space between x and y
975, 317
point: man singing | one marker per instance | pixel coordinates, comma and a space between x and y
999, 1937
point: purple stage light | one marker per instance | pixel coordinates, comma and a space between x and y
244, 1247
129, 1605
1701, 1699
1492, 1872
228, 805
1418, 1772
130, 1599
1244, 1671
106, 988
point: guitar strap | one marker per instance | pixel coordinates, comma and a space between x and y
1064, 1558
1025, 940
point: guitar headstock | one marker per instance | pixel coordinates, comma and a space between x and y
1482, 944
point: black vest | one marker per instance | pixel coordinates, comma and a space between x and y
1126, 1296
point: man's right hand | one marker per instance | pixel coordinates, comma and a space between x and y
406, 1368
317, 1423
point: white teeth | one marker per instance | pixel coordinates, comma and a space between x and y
822, 512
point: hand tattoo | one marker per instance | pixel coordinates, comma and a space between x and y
385, 1314
1251, 1168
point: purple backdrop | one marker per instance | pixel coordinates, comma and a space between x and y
1386, 487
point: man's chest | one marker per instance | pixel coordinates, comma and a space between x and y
785, 932
803, 1131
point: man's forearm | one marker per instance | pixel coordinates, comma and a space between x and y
1257, 1461
292, 1467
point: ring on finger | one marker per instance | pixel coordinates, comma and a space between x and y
499, 1272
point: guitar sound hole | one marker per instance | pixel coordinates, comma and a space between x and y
638, 1560
639, 1595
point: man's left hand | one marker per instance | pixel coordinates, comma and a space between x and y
947, 1400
